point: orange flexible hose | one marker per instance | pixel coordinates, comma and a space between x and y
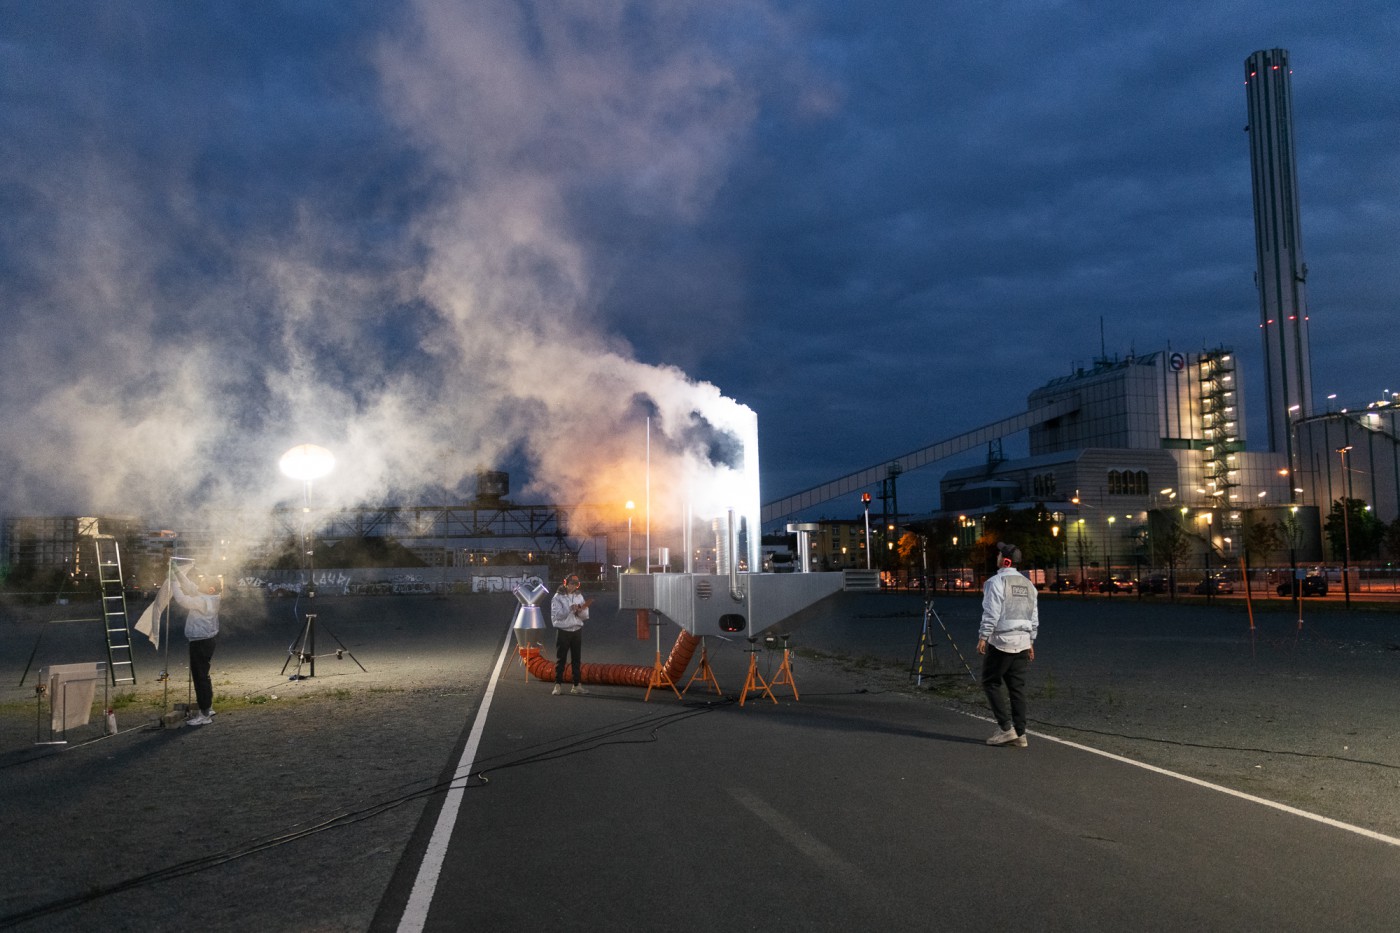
617, 675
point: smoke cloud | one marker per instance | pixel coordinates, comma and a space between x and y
389, 248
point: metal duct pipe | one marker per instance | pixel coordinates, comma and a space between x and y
735, 593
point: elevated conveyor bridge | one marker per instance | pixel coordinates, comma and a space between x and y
846, 485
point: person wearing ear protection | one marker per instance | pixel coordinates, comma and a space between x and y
201, 598
1006, 641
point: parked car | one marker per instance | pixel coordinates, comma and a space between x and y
1061, 585
1217, 584
1155, 583
1116, 584
1314, 584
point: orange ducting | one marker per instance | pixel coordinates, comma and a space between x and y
617, 675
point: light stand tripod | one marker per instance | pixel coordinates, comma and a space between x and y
308, 462
924, 650
304, 650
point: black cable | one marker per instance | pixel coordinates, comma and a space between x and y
600, 738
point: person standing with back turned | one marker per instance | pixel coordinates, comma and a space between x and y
1006, 641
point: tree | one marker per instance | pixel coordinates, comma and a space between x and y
1392, 540
1262, 538
1174, 546
1360, 525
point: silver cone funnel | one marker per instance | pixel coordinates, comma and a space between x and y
529, 623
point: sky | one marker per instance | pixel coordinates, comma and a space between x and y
589, 242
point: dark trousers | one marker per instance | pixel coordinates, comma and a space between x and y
1003, 676
201, 656
567, 643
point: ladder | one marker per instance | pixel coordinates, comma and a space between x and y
114, 617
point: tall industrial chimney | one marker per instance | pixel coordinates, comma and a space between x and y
1280, 273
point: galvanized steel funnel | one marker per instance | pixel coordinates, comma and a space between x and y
529, 623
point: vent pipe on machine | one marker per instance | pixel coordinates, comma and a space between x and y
732, 539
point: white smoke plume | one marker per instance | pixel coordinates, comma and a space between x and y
182, 304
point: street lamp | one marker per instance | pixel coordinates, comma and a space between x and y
1346, 525
1079, 546
865, 503
1108, 555
1210, 545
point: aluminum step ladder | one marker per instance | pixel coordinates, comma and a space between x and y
114, 616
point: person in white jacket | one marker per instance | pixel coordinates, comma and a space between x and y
568, 610
201, 599
1006, 641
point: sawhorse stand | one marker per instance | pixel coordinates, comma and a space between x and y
659, 677
704, 673
755, 681
784, 677
304, 650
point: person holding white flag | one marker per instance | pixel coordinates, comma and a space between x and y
149, 623
201, 599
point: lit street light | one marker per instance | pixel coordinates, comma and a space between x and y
1346, 525
865, 502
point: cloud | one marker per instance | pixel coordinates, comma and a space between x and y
437, 237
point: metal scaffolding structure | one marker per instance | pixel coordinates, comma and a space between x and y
547, 530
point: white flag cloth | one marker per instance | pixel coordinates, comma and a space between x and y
149, 623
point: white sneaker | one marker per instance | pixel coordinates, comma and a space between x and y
1020, 742
211, 712
578, 690
1003, 737
200, 720
558, 689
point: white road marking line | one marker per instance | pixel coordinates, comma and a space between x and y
415, 914
797, 837
1315, 817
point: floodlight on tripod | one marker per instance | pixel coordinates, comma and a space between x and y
308, 462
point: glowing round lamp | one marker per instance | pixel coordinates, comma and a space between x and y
307, 462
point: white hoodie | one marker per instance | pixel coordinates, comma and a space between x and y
1010, 613
203, 620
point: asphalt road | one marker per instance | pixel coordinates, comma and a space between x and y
861, 805
850, 809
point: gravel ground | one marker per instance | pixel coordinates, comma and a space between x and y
118, 833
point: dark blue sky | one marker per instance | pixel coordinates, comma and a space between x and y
445, 235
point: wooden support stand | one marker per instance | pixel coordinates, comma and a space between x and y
704, 673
